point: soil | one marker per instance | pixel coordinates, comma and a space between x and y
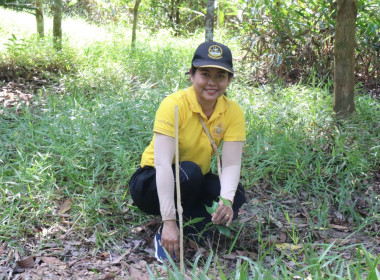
72, 256
55, 253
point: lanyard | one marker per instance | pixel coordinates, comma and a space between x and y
212, 144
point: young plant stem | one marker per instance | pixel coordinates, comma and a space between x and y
179, 206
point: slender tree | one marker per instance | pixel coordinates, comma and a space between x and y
344, 57
40, 18
57, 24
29, 8
209, 25
174, 16
135, 16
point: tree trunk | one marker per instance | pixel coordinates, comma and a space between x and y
40, 18
134, 27
57, 25
344, 57
177, 18
209, 26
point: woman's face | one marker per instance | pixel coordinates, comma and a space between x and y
209, 83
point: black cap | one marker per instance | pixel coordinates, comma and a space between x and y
213, 54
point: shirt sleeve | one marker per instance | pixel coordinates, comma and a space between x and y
163, 158
231, 161
164, 120
236, 128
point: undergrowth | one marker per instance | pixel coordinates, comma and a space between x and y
83, 142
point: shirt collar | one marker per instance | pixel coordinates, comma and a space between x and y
221, 104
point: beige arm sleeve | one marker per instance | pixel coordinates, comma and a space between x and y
164, 149
231, 164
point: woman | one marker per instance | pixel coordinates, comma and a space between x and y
152, 186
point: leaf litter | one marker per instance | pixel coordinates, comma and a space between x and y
60, 252
13, 95
75, 257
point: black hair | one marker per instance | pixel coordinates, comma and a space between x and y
194, 69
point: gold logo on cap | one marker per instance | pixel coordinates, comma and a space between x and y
215, 52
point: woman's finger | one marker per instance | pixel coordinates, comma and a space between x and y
169, 248
218, 215
176, 250
223, 214
230, 217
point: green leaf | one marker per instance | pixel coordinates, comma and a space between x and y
224, 230
221, 273
221, 18
226, 201
212, 209
73, 2
194, 221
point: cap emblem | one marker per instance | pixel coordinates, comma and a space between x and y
215, 52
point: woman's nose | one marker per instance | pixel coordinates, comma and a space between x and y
211, 81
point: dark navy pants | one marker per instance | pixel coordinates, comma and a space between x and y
197, 190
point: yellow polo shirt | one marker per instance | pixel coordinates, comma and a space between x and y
226, 123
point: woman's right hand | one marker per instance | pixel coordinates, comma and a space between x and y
170, 237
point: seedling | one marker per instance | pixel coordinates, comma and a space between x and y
212, 209
294, 235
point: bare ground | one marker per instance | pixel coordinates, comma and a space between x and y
60, 252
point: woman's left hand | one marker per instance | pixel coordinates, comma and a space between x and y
224, 214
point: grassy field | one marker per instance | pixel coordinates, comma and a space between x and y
69, 144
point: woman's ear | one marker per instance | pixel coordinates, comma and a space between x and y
191, 75
230, 78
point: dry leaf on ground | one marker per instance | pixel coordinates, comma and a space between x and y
120, 258
66, 206
27, 262
52, 260
285, 246
137, 274
338, 227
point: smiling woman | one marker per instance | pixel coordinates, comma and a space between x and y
204, 103
209, 84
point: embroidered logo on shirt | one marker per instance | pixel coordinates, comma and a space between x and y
218, 131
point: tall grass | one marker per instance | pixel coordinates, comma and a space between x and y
297, 141
83, 139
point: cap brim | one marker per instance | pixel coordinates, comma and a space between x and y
203, 65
